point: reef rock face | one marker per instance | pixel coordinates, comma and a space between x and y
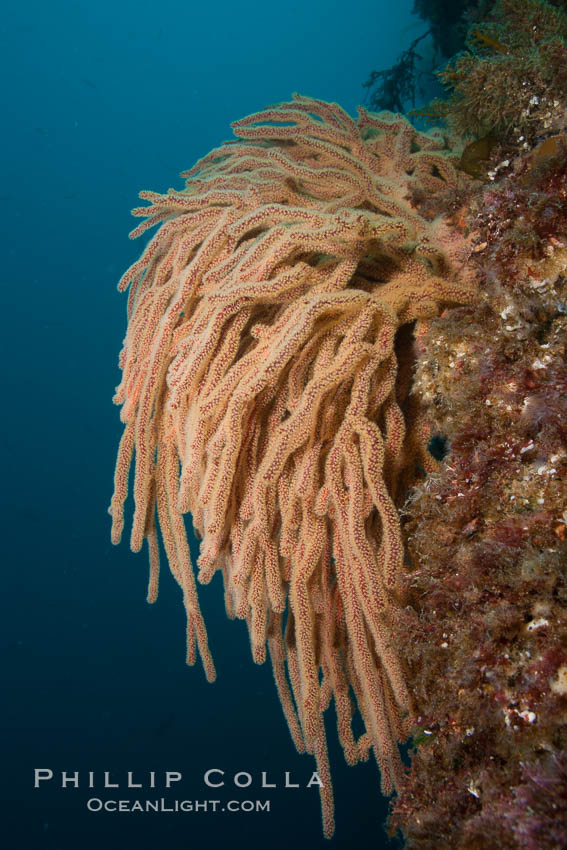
486, 533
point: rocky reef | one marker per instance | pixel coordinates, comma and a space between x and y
486, 615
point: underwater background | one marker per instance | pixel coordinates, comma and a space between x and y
99, 102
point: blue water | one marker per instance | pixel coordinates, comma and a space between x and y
100, 100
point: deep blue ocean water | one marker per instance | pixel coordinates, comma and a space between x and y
99, 101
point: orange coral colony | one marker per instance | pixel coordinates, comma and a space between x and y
266, 391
